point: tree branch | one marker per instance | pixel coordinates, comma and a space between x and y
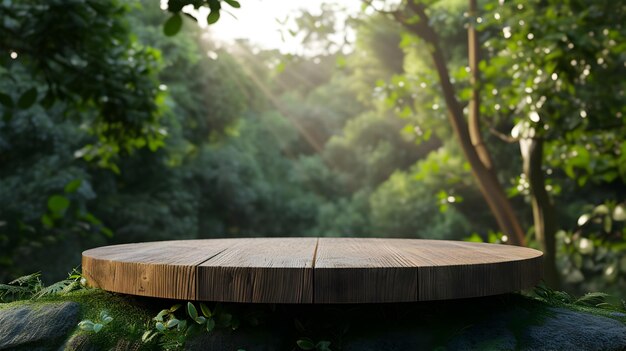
506, 138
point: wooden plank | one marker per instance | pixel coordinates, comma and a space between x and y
352, 270
450, 270
160, 269
265, 270
311, 270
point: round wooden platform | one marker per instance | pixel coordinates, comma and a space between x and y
312, 270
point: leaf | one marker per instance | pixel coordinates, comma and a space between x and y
26, 279
86, 325
174, 308
601, 210
474, 238
619, 213
213, 17
54, 289
97, 327
582, 220
192, 311
233, 3
205, 310
57, 204
13, 291
305, 344
159, 317
27, 99
6, 100
72, 186
173, 25
71, 287
160, 326
210, 324
147, 336
200, 320
172, 323
592, 299
107, 320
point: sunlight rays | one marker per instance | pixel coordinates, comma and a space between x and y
267, 92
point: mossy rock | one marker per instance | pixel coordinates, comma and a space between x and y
505, 322
37, 326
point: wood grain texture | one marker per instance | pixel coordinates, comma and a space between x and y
164, 269
450, 269
269, 270
312, 270
351, 270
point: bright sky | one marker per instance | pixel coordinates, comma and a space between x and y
256, 21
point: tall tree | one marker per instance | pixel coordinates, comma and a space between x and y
558, 70
414, 17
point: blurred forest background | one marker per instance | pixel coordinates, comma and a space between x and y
118, 126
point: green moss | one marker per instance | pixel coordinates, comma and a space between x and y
441, 320
131, 316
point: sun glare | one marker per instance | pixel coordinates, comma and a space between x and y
261, 22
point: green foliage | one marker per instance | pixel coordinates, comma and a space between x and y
593, 256
173, 25
31, 287
213, 17
90, 65
561, 84
173, 332
84, 89
96, 327
588, 302
58, 288
21, 288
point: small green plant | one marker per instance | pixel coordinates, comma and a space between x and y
166, 323
21, 288
175, 331
309, 344
31, 287
553, 297
593, 299
74, 281
96, 327
166, 320
206, 319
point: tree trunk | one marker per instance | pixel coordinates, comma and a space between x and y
473, 147
544, 214
474, 103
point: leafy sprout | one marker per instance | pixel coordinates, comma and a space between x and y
96, 327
